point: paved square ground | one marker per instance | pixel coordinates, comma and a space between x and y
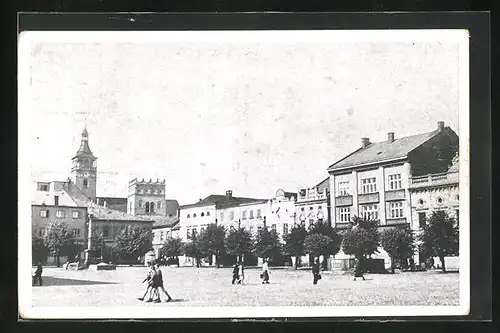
209, 286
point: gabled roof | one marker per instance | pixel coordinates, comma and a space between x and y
47, 198
161, 221
383, 151
325, 184
107, 214
221, 201
77, 195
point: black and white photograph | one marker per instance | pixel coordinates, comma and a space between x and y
213, 174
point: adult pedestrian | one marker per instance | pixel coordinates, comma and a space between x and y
358, 269
159, 283
236, 270
241, 273
38, 274
315, 271
265, 272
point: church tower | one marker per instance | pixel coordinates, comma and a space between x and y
84, 169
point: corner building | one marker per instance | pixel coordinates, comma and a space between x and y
374, 181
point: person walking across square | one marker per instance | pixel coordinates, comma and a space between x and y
315, 271
236, 270
358, 270
265, 272
38, 274
159, 283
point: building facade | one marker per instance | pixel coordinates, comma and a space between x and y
282, 216
374, 181
74, 202
50, 203
433, 192
313, 204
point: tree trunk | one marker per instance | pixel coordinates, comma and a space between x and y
297, 262
177, 261
392, 264
58, 263
442, 263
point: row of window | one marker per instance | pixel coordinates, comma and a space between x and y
202, 214
372, 211
193, 231
244, 216
86, 163
43, 231
60, 214
369, 185
162, 235
149, 191
148, 206
310, 208
439, 200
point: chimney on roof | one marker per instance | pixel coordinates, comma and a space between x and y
200, 200
440, 126
229, 194
365, 142
390, 137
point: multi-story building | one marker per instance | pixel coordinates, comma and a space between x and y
51, 203
374, 181
433, 192
282, 217
74, 201
312, 205
226, 210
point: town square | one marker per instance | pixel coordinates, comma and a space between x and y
192, 286
244, 182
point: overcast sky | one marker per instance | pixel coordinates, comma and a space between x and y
212, 116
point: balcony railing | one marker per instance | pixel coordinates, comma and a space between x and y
368, 198
311, 194
395, 195
345, 200
434, 179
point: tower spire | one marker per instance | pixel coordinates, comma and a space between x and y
84, 145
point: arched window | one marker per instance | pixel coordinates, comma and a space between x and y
208, 213
147, 207
85, 183
86, 163
158, 205
202, 214
189, 216
194, 215
152, 207
140, 203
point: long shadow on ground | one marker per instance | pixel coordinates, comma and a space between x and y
53, 281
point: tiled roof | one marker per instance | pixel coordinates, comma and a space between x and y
113, 200
325, 184
47, 198
104, 213
161, 221
382, 151
221, 201
77, 195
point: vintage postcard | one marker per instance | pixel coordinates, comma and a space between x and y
243, 174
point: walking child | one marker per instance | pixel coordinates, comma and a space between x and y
159, 283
